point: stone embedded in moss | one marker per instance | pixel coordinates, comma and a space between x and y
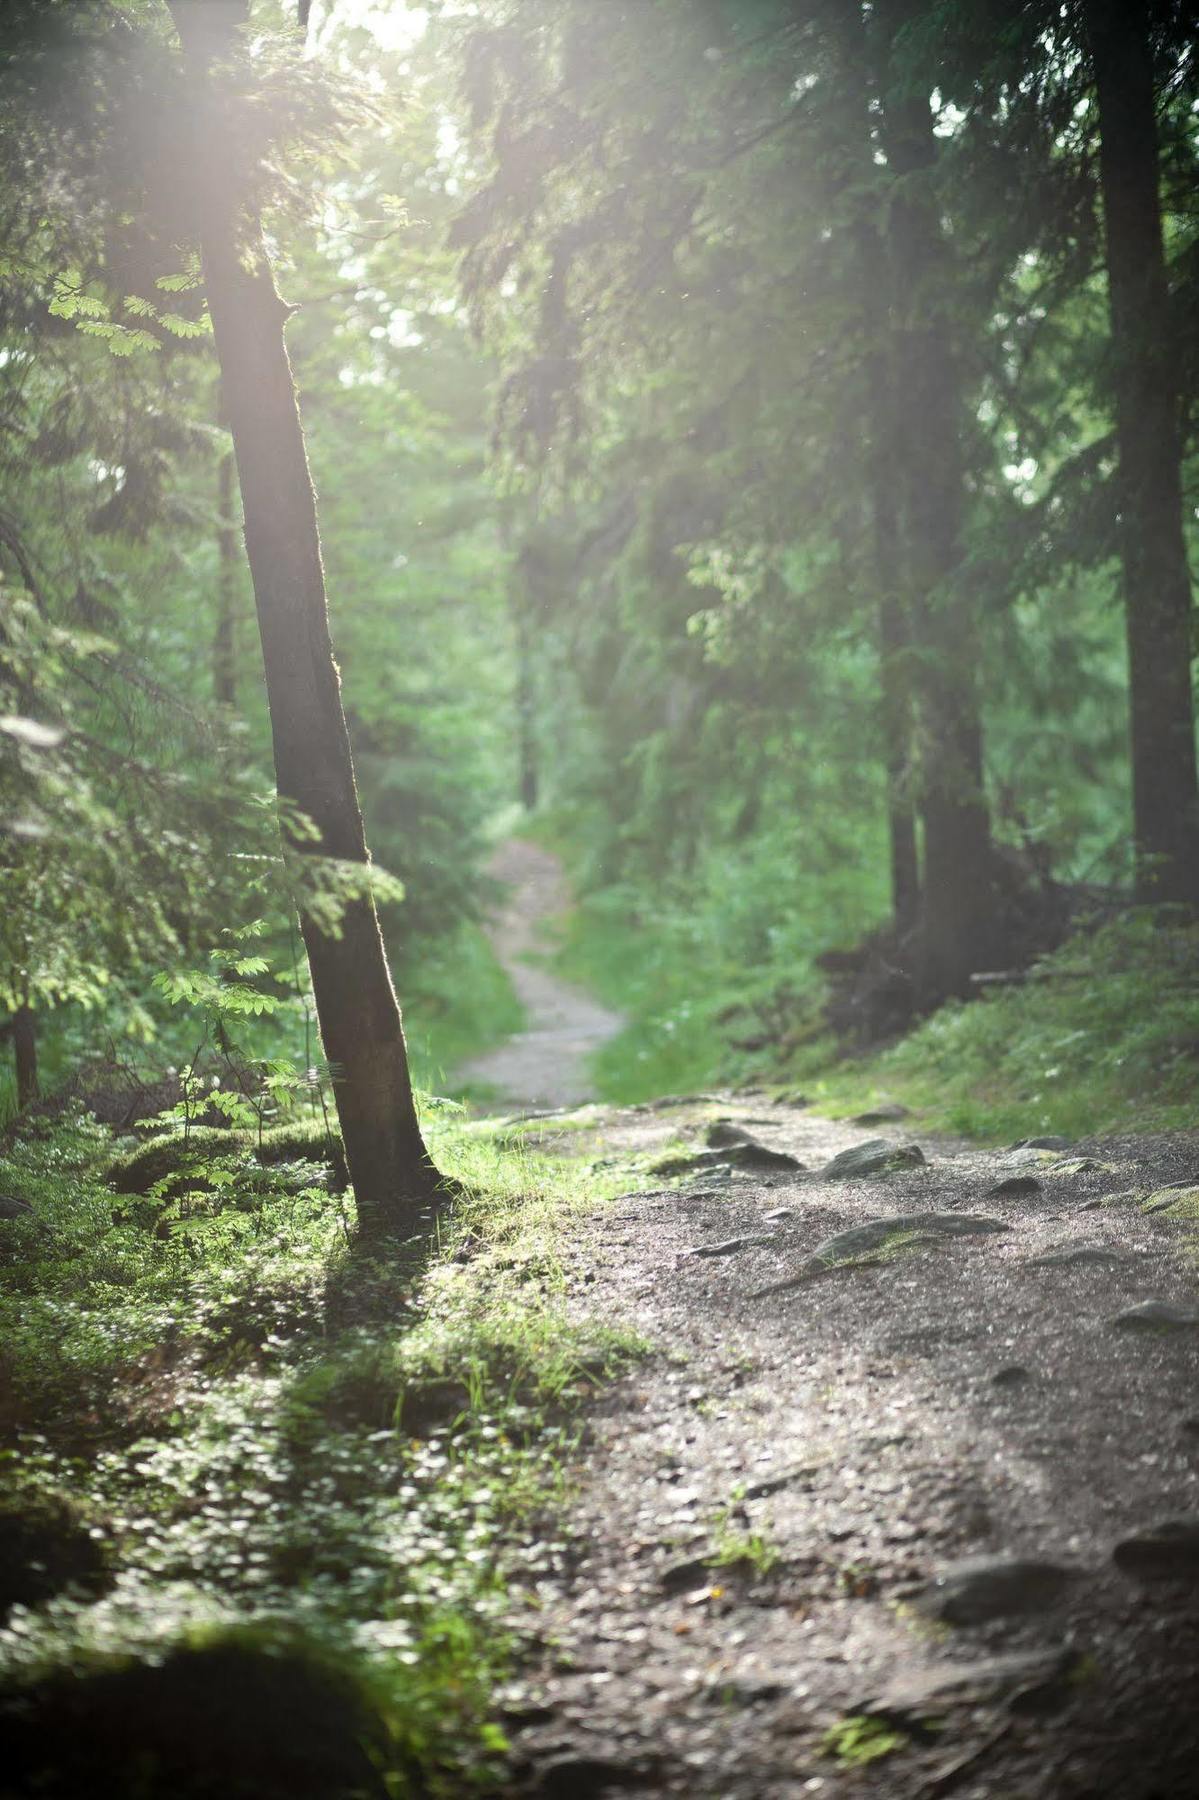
1181, 1202
180, 1153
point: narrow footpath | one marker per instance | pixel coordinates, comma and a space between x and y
904, 1500
546, 1064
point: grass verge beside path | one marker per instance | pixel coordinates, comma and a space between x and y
251, 1470
1103, 1036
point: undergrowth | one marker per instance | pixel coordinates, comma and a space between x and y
1103, 1037
264, 1431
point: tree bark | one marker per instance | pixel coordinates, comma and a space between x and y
24, 1043
393, 1176
1156, 577
523, 599
224, 649
898, 743
526, 708
883, 494
957, 923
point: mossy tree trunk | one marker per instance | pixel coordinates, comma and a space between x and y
1157, 582
393, 1176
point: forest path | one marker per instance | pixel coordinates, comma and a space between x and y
881, 1503
546, 1064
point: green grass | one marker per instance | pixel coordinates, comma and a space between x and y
705, 963
857, 1741
1104, 1037
676, 979
268, 1431
1107, 1040
458, 1002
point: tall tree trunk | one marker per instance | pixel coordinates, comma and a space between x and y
526, 706
883, 487
957, 924
524, 600
224, 636
359, 1019
1157, 582
224, 649
24, 1043
896, 709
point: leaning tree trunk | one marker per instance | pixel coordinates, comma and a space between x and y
359, 1019
957, 922
1157, 582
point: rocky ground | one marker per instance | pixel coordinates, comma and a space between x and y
905, 1499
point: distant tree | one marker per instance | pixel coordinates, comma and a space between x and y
1157, 581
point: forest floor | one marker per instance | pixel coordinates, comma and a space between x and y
880, 1513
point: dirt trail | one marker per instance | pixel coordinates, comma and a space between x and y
546, 1064
771, 1511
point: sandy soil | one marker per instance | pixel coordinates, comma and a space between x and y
546, 1065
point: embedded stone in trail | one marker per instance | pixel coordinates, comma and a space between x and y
738, 1156
582, 1776
1042, 1143
889, 1113
1079, 1256
1157, 1315
1015, 1187
730, 1246
1011, 1375
1167, 1551
860, 1239
914, 1693
875, 1157
996, 1587
1082, 1165
1181, 1197
765, 1485
722, 1133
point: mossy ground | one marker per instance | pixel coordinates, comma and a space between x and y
1102, 1037
267, 1431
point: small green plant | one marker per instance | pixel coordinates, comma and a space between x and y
857, 1740
250, 1091
735, 1546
